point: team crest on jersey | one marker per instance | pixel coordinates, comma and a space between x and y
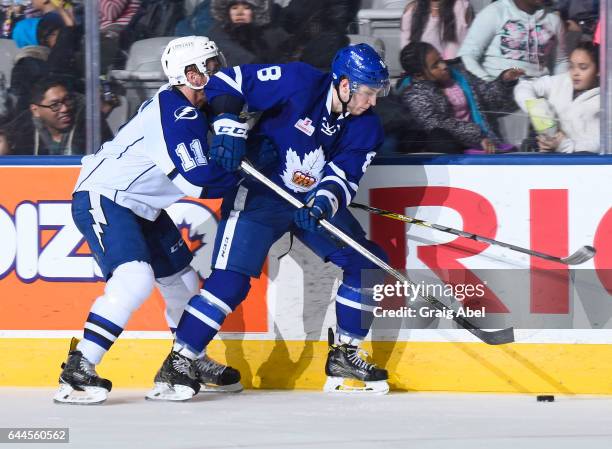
303, 175
185, 113
305, 125
328, 129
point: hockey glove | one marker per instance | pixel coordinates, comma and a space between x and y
229, 143
308, 217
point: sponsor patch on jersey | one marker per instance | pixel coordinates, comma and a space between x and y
185, 113
305, 125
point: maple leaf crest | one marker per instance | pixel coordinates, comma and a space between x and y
303, 175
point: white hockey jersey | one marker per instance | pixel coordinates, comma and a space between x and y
156, 158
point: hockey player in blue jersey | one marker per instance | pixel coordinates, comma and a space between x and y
326, 134
157, 158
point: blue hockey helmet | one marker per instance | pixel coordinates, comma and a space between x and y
361, 65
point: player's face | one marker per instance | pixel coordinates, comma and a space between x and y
363, 99
241, 13
583, 70
435, 68
56, 109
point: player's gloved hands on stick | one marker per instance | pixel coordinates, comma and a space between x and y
308, 217
229, 143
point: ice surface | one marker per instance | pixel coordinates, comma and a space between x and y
307, 419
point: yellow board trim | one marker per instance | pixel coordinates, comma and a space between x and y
415, 366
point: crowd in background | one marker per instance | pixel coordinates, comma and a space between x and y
461, 71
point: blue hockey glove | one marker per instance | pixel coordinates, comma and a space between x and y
307, 218
229, 143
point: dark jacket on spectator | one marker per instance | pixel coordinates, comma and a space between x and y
430, 109
318, 28
27, 136
257, 42
38, 62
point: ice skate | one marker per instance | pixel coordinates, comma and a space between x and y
175, 380
348, 373
79, 382
216, 377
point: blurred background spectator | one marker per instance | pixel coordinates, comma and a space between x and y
574, 100
4, 143
244, 32
198, 19
442, 23
53, 124
11, 12
515, 33
318, 29
447, 103
115, 16
48, 47
580, 17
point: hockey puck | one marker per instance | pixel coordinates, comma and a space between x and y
545, 398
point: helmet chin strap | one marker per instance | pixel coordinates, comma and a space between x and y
343, 103
188, 84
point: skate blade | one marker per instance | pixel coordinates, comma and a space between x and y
167, 392
91, 396
212, 388
340, 385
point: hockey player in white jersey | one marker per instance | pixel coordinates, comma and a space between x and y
326, 134
157, 158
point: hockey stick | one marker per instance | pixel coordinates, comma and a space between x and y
497, 337
582, 255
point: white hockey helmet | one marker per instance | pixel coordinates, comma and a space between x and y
185, 51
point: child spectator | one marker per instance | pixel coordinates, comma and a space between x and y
515, 33
442, 23
244, 32
574, 99
448, 104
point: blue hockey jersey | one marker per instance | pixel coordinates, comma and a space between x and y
319, 150
157, 158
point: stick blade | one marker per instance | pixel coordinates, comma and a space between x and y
582, 255
500, 337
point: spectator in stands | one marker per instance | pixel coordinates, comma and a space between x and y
115, 16
197, 21
574, 99
515, 33
447, 103
10, 15
580, 16
244, 32
4, 143
318, 29
54, 53
442, 23
54, 123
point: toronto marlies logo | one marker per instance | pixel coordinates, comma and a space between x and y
198, 226
328, 129
303, 175
185, 113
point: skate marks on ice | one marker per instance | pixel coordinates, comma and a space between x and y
299, 419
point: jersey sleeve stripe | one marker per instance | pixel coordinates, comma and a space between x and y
186, 187
332, 199
340, 182
337, 170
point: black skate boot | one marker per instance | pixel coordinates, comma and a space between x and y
175, 380
216, 377
79, 382
348, 372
